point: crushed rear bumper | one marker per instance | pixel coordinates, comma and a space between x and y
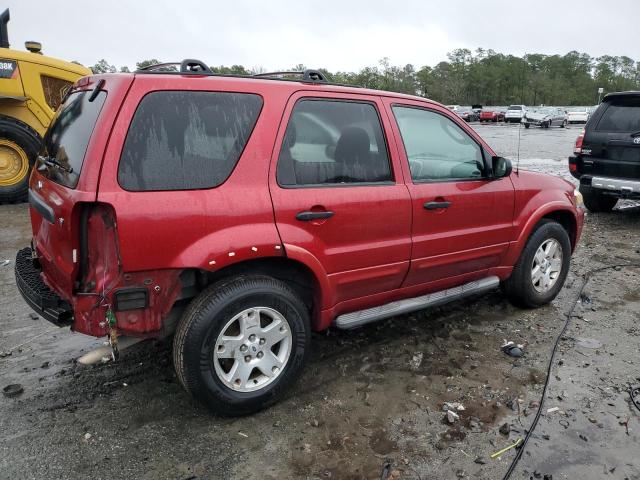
44, 301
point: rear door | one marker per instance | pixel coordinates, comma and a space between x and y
612, 138
462, 221
338, 192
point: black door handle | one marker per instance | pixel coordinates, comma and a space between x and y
436, 205
308, 216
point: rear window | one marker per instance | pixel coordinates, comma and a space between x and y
181, 140
65, 143
622, 115
515, 107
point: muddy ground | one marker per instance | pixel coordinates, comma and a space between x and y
369, 405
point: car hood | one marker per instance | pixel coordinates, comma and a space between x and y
537, 115
537, 180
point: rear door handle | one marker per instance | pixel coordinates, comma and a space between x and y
307, 216
436, 205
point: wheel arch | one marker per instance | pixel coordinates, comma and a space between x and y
557, 211
298, 275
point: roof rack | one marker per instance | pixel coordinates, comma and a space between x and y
187, 66
312, 76
196, 67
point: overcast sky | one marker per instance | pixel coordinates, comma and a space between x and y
338, 35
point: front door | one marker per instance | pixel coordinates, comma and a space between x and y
339, 196
462, 220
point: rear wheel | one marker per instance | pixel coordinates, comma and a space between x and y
526, 125
241, 344
597, 202
542, 267
19, 146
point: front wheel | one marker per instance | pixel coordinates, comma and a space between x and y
526, 125
542, 267
241, 344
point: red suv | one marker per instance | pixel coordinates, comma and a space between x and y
242, 213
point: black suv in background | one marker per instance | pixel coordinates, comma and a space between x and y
607, 154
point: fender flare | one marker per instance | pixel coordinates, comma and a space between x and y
525, 232
312, 263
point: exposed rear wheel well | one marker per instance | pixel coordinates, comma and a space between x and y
568, 222
297, 275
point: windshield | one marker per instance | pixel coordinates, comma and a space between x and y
65, 143
515, 107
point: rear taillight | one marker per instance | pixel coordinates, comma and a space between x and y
578, 146
573, 167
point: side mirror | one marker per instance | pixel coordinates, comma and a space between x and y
501, 167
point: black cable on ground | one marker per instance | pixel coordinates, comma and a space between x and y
587, 277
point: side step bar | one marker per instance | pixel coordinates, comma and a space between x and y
355, 319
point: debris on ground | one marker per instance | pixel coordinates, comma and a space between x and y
454, 406
12, 390
452, 417
5, 263
512, 349
416, 361
553, 409
506, 449
505, 429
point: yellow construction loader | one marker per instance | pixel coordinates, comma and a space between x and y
31, 88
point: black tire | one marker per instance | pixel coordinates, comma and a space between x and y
526, 125
546, 125
564, 124
202, 323
29, 141
597, 202
519, 286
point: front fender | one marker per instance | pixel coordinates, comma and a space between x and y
538, 207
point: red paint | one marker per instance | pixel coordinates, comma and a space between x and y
381, 245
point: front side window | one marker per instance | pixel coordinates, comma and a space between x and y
436, 147
184, 140
333, 142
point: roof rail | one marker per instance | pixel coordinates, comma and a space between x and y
311, 76
196, 67
188, 66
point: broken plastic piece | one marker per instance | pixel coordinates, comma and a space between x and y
512, 349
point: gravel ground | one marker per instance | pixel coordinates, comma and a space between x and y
370, 403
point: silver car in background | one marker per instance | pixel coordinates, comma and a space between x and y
545, 117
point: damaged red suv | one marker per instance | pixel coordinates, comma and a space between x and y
242, 213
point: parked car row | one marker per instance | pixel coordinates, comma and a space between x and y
543, 117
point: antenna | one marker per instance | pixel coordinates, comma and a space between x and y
518, 161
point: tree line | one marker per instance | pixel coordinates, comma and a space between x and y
482, 77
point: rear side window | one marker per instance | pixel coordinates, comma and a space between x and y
622, 115
183, 140
65, 143
333, 142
